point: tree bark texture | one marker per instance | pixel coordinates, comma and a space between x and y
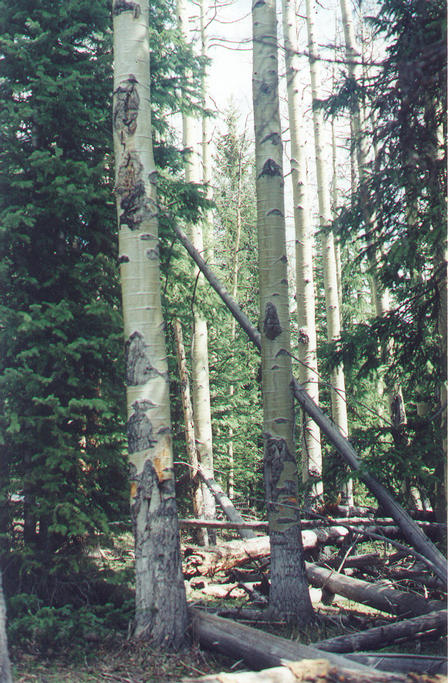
338, 396
308, 374
380, 636
289, 595
199, 350
197, 499
5, 667
415, 537
161, 612
258, 648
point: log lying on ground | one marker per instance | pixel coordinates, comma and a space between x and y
219, 524
208, 561
434, 622
319, 670
261, 650
378, 596
410, 530
258, 648
404, 663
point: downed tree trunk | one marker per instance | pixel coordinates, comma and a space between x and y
219, 524
226, 505
208, 561
259, 650
378, 596
319, 670
410, 530
434, 622
404, 663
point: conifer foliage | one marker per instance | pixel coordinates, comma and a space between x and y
62, 469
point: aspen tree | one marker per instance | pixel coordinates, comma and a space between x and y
308, 374
199, 350
161, 610
338, 402
289, 596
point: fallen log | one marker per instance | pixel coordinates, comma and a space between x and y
400, 662
380, 597
208, 561
258, 648
261, 650
220, 524
319, 670
434, 622
411, 531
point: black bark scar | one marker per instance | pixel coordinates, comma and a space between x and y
138, 366
271, 324
270, 168
126, 106
139, 428
121, 6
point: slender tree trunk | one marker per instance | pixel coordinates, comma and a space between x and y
197, 499
206, 146
199, 350
5, 667
289, 594
308, 373
161, 610
338, 399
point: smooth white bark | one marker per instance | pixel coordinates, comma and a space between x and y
161, 613
289, 594
338, 396
193, 155
308, 372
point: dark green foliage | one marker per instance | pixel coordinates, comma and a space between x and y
63, 454
63, 464
405, 188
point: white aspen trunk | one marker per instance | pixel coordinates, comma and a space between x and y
308, 372
289, 595
234, 292
199, 349
161, 610
337, 255
190, 441
338, 398
206, 147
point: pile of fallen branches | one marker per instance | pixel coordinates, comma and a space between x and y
405, 601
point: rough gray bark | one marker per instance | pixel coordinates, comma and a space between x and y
374, 594
257, 648
380, 636
410, 529
5, 667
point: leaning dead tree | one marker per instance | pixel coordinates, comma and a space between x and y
412, 533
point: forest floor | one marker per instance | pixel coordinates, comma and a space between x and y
111, 657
